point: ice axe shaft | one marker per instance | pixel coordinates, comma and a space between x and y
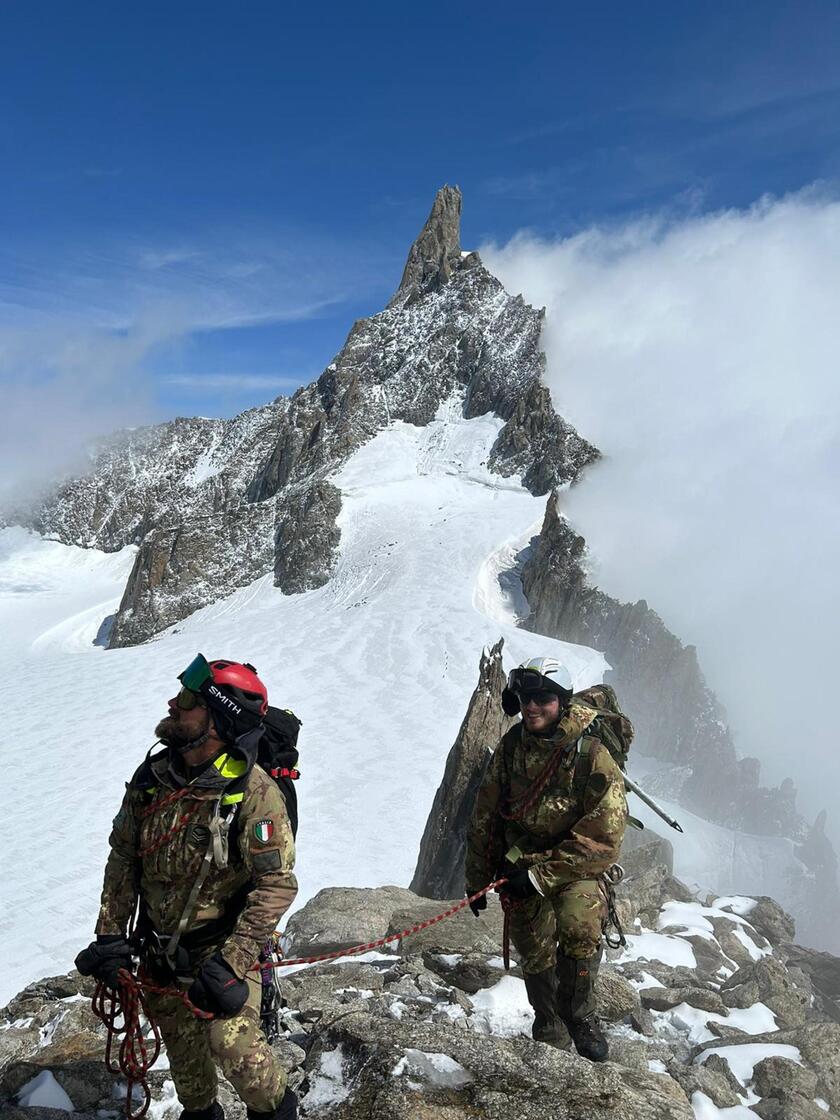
651, 804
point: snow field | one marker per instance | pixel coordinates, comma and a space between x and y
743, 1059
692, 1023
379, 664
663, 947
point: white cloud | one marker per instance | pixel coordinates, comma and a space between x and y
62, 387
702, 356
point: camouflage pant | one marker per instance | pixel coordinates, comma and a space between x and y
571, 921
237, 1044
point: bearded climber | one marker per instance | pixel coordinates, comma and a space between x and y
202, 842
550, 816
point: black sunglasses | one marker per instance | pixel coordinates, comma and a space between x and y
541, 698
187, 699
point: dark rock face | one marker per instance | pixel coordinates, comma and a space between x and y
823, 970
306, 537
658, 679
190, 492
437, 250
539, 444
181, 568
440, 864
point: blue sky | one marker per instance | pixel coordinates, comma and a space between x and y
202, 197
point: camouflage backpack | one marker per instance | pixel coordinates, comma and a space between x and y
612, 727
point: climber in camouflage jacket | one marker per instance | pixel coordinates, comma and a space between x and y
203, 848
550, 816
256, 880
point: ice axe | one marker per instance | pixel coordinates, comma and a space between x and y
651, 804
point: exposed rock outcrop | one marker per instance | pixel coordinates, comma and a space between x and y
306, 537
434, 1027
437, 250
440, 864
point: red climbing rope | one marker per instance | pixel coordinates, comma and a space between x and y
136, 1056
182, 821
366, 948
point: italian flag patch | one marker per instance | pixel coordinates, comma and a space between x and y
264, 830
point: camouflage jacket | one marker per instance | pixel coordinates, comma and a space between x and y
255, 886
570, 833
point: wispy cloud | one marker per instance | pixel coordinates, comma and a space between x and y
165, 258
204, 282
700, 354
225, 382
81, 326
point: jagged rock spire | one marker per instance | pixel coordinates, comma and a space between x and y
436, 250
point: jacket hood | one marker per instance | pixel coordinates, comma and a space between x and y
232, 765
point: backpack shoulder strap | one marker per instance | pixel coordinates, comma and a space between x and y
510, 741
583, 765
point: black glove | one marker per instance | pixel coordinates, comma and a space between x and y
478, 904
519, 884
104, 958
217, 988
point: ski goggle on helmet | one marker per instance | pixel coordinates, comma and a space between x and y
538, 674
232, 689
196, 674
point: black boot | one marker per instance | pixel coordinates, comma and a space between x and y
213, 1111
576, 1005
589, 1039
287, 1109
542, 996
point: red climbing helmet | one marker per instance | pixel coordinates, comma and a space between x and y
232, 690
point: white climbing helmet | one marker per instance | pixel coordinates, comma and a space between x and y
537, 674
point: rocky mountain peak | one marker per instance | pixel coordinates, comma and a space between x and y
436, 250
261, 482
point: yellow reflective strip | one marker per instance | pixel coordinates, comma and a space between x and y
230, 767
232, 798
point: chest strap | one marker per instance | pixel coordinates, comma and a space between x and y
216, 852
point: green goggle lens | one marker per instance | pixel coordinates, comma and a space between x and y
196, 674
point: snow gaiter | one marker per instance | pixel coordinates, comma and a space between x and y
576, 1003
576, 985
542, 996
